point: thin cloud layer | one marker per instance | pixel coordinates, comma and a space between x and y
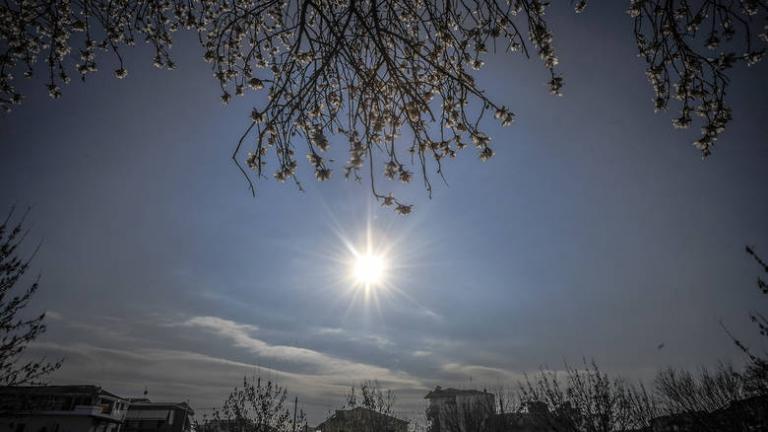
310, 362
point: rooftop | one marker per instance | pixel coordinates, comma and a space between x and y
146, 404
341, 414
84, 390
440, 392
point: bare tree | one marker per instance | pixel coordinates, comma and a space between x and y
257, 406
465, 416
681, 391
378, 406
17, 331
716, 400
722, 399
395, 80
584, 400
756, 374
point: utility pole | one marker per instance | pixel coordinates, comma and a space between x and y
295, 405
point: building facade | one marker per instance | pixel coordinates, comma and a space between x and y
82, 408
362, 420
146, 416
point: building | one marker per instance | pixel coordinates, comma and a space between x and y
749, 414
231, 425
452, 410
81, 408
362, 420
147, 416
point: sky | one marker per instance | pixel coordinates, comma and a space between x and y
596, 232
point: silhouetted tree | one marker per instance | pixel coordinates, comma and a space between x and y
717, 400
257, 406
508, 401
17, 331
463, 416
756, 374
379, 407
584, 400
722, 399
374, 72
682, 392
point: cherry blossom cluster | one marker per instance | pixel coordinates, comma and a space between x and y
391, 83
393, 79
689, 46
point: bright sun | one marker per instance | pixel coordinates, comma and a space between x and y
369, 269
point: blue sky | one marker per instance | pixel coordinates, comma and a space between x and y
596, 231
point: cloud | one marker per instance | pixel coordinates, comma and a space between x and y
328, 331
176, 375
219, 323
355, 337
482, 374
53, 315
125, 364
301, 360
212, 354
430, 313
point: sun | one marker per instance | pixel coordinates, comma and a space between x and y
369, 269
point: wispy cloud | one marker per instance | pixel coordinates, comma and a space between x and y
53, 315
353, 336
482, 374
175, 375
187, 364
307, 361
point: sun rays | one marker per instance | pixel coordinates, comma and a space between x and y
369, 270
